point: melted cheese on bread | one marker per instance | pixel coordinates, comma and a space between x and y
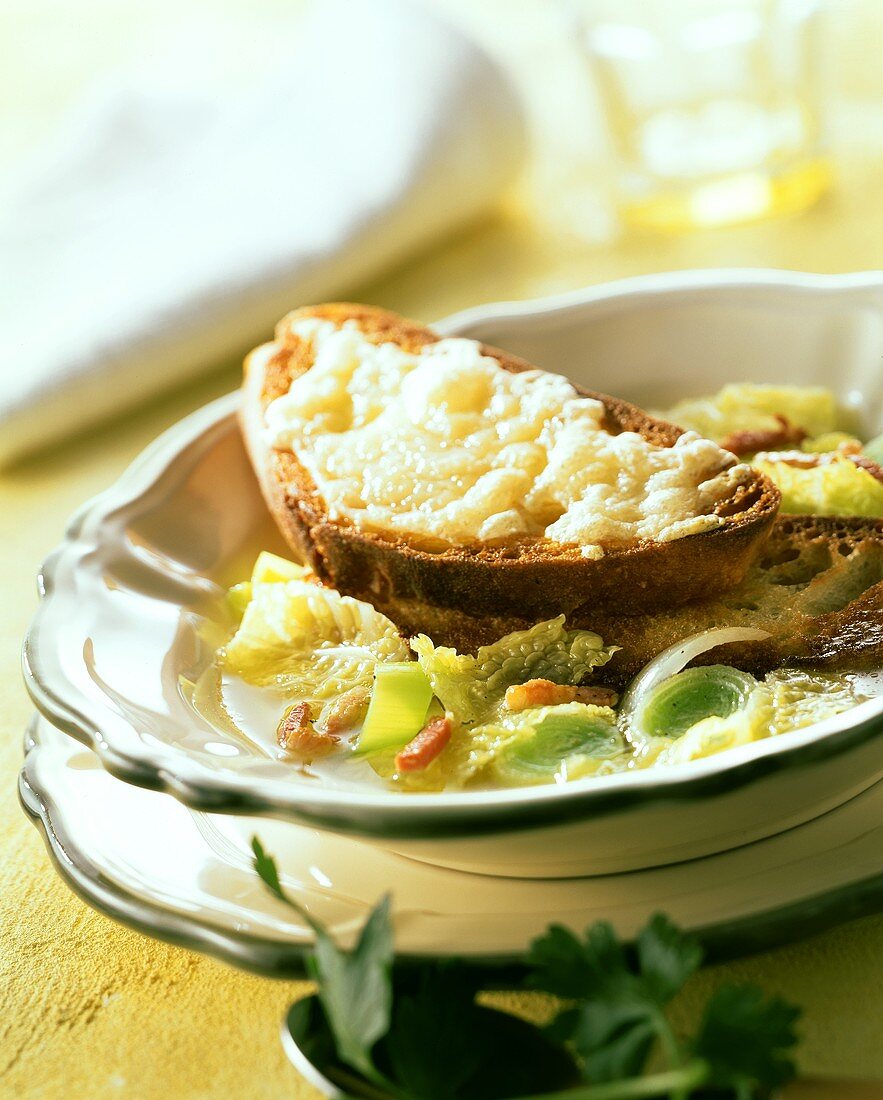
445, 443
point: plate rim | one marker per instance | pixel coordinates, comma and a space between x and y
661, 283
722, 942
389, 814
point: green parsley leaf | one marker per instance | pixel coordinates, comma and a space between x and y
558, 963
429, 1025
355, 987
613, 1042
518, 1059
613, 1027
744, 1038
444, 1046
618, 1017
266, 867
666, 958
424, 1037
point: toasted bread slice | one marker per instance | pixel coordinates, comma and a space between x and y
426, 584
817, 588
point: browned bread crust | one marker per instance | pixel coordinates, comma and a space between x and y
817, 588
428, 585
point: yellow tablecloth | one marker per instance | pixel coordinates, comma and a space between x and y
91, 1009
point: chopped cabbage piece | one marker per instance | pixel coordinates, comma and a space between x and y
746, 406
271, 569
836, 487
309, 641
873, 449
802, 698
238, 598
268, 569
472, 687
830, 441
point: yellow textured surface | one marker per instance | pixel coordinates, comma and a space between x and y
91, 1009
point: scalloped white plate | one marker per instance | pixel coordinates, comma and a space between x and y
125, 594
186, 877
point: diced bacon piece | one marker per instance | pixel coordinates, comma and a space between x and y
545, 693
539, 693
748, 441
425, 747
873, 468
346, 711
597, 696
297, 735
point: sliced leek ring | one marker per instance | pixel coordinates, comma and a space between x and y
688, 697
666, 665
549, 750
397, 711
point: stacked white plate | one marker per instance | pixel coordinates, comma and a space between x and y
149, 810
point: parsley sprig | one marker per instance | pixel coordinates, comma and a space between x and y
386, 1033
619, 1018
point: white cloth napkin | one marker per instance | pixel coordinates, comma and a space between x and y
156, 237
